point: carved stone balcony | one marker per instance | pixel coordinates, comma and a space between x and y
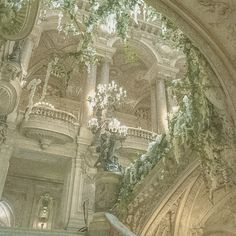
138, 139
49, 125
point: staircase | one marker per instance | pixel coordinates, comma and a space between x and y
31, 232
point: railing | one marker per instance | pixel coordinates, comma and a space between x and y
117, 227
53, 113
33, 232
141, 133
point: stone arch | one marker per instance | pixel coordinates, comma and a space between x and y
172, 201
6, 214
194, 213
142, 47
186, 19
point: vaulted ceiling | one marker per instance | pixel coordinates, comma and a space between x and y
211, 24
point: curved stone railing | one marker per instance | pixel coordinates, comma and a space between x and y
53, 113
141, 133
34, 232
137, 140
49, 125
117, 227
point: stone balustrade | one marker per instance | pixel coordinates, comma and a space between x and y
137, 141
33, 232
54, 114
49, 125
141, 133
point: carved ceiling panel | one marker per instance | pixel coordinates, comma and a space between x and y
130, 75
211, 25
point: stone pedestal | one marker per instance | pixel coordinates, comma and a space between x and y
107, 190
106, 194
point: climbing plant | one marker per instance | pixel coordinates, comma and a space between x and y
111, 16
196, 126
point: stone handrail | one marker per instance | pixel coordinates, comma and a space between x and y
118, 228
54, 114
141, 133
34, 232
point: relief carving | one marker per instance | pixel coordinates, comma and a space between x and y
224, 13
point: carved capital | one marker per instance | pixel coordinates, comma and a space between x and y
10, 70
159, 71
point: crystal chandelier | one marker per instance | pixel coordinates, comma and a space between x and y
108, 131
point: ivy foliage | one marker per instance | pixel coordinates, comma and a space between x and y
196, 126
114, 14
100, 12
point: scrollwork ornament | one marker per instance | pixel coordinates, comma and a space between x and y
7, 16
10, 71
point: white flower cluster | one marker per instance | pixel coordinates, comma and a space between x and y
93, 123
141, 167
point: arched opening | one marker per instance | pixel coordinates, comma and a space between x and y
6, 215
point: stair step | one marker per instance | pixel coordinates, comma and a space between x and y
32, 232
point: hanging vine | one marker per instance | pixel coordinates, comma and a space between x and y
196, 126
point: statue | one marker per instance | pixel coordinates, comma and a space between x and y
108, 133
108, 150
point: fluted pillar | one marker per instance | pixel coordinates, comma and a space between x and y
161, 106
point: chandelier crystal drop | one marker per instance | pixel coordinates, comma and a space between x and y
108, 131
108, 95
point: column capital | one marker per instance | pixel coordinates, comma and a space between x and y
160, 72
104, 51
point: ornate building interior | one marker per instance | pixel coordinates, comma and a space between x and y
73, 130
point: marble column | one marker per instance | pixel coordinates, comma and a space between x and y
26, 54
153, 108
105, 71
90, 88
161, 106
5, 155
6, 150
74, 211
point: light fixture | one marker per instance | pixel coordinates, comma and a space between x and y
108, 131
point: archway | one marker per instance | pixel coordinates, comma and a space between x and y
6, 215
206, 37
